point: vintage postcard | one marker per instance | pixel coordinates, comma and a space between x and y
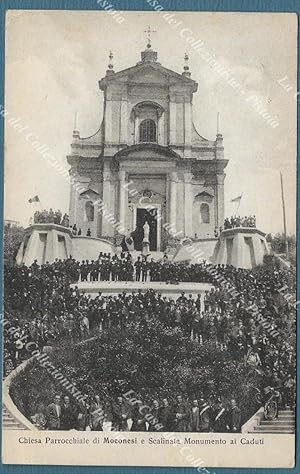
150, 254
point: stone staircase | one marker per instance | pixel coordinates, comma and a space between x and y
285, 423
9, 422
197, 251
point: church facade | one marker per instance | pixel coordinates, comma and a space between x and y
147, 162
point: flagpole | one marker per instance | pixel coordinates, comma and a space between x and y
35, 205
238, 206
284, 216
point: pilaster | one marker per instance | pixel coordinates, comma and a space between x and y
107, 198
122, 201
172, 198
124, 121
172, 121
220, 200
108, 121
187, 124
188, 205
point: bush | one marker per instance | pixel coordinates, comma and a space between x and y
150, 359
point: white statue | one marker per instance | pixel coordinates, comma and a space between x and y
146, 229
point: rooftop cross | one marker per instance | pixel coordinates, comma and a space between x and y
149, 31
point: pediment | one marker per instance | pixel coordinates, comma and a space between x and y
147, 151
148, 74
204, 196
89, 194
151, 72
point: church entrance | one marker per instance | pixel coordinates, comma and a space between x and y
143, 215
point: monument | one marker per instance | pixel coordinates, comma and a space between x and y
146, 242
47, 242
242, 247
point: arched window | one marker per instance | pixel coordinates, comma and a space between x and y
204, 213
148, 131
89, 211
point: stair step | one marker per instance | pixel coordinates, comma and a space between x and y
274, 426
273, 432
9, 422
9, 425
277, 422
281, 429
7, 418
284, 423
15, 427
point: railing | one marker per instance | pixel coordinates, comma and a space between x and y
7, 400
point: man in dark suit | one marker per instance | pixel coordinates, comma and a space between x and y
119, 416
67, 419
138, 420
166, 416
53, 414
234, 418
181, 414
182, 298
138, 269
144, 270
219, 418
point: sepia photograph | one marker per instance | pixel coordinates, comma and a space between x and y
149, 310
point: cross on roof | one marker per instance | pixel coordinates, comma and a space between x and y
149, 31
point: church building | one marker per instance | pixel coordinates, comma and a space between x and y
147, 162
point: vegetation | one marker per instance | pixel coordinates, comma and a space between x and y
148, 358
278, 245
13, 236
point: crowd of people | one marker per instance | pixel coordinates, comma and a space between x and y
122, 268
45, 309
181, 415
238, 221
51, 217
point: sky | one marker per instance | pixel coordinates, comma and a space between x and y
54, 60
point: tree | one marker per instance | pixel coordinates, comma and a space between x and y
277, 243
13, 236
149, 358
